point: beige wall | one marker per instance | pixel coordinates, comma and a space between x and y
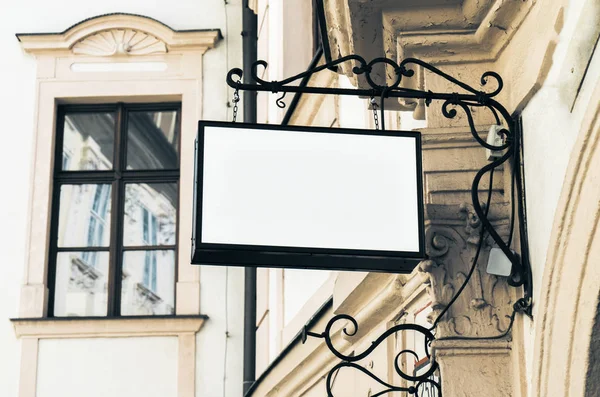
543, 50
552, 124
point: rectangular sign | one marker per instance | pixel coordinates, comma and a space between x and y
308, 197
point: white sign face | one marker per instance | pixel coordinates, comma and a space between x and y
275, 187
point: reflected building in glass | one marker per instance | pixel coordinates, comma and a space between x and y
142, 252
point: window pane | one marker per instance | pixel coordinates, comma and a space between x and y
81, 284
88, 141
84, 217
150, 214
148, 283
153, 140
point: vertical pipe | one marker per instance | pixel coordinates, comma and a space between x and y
249, 48
249, 33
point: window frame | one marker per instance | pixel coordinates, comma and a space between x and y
118, 177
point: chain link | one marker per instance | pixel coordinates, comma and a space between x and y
375, 115
236, 99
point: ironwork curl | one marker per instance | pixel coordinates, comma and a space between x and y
280, 103
349, 361
451, 102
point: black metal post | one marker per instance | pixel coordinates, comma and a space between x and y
250, 54
249, 26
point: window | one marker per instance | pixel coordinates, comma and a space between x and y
114, 219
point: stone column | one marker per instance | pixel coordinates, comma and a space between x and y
451, 157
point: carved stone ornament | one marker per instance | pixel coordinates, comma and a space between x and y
484, 307
117, 42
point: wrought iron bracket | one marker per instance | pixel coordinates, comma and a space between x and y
465, 98
349, 361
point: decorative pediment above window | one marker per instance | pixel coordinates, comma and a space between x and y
120, 42
119, 35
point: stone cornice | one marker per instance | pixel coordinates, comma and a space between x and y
449, 32
457, 34
86, 327
155, 32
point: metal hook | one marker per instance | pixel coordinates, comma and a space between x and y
280, 103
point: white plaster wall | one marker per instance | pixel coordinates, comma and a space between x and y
551, 123
116, 367
17, 79
221, 293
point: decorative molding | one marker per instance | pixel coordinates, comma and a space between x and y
485, 306
119, 42
492, 32
475, 365
434, 31
86, 327
464, 36
100, 36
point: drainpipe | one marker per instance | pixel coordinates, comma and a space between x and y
249, 48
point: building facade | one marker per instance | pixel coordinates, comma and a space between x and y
102, 108
103, 111
546, 52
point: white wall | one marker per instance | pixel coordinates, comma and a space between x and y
551, 124
116, 367
216, 350
17, 78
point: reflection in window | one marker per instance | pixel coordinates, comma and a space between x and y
88, 140
85, 230
97, 222
148, 288
149, 233
66, 158
81, 289
153, 140
84, 218
150, 214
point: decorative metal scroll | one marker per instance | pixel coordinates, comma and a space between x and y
423, 381
427, 383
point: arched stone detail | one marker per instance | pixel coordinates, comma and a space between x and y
119, 33
570, 288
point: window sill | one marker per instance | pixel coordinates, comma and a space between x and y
94, 327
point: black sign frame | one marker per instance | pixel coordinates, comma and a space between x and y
303, 257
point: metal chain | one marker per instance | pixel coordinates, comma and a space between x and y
236, 99
375, 115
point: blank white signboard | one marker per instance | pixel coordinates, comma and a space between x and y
282, 188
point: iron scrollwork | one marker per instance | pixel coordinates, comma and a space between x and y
421, 381
427, 383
